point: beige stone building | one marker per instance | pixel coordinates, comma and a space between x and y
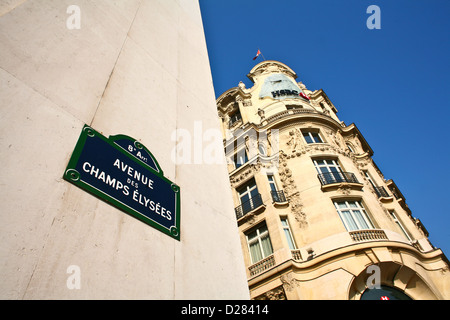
317, 219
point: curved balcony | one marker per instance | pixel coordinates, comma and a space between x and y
337, 177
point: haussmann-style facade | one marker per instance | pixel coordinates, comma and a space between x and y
316, 217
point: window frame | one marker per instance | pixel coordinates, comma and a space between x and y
258, 238
328, 175
400, 224
234, 117
288, 233
310, 133
251, 192
239, 156
352, 213
272, 183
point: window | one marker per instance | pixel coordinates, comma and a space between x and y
272, 184
384, 293
350, 148
399, 224
287, 233
249, 196
368, 176
277, 195
329, 171
353, 215
380, 191
259, 243
240, 158
235, 117
312, 137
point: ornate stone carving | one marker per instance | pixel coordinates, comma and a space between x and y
274, 294
291, 192
344, 189
294, 139
288, 281
247, 103
261, 114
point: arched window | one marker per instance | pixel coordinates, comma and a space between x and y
384, 293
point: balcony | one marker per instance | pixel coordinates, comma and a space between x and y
381, 192
278, 196
262, 265
337, 177
368, 235
253, 203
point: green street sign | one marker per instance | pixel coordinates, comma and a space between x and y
124, 173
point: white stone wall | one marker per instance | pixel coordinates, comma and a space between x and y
135, 67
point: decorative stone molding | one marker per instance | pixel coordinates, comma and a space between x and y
289, 282
291, 192
274, 294
247, 103
268, 67
249, 170
344, 189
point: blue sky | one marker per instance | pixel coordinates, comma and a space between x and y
391, 82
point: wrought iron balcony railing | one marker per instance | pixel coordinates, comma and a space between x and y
278, 196
337, 177
253, 203
381, 192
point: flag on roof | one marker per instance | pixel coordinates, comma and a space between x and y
304, 95
257, 54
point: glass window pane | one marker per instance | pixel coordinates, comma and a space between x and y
342, 205
254, 192
331, 163
307, 137
266, 246
251, 235
255, 252
359, 218
324, 169
263, 229
289, 239
316, 137
348, 220
244, 198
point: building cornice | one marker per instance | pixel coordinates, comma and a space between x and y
270, 66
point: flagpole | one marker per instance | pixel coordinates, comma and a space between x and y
262, 55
